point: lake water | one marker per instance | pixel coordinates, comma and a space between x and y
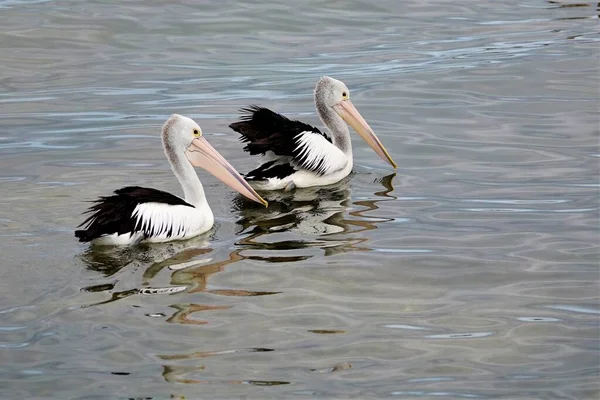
470, 272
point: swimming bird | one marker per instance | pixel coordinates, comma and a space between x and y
136, 214
295, 154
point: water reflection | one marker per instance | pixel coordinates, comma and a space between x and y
559, 4
562, 5
184, 313
203, 354
324, 218
187, 263
109, 260
176, 374
317, 213
172, 256
180, 373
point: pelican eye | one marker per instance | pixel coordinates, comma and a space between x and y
196, 133
345, 95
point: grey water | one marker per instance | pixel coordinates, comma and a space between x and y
469, 272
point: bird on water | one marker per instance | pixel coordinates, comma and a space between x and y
295, 154
136, 214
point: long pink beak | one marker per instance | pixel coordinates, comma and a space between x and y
350, 114
201, 154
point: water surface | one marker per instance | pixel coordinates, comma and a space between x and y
470, 272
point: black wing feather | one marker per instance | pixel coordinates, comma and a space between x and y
265, 130
270, 169
113, 214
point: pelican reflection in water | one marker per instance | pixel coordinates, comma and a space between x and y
316, 213
184, 268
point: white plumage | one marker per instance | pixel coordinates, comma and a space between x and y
164, 221
134, 214
320, 155
303, 178
305, 156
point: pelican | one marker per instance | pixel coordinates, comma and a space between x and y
136, 214
296, 154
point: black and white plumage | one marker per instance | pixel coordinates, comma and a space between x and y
149, 213
305, 146
134, 214
296, 154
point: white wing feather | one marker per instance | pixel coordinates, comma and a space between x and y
159, 220
317, 154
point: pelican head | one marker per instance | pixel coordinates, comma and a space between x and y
334, 94
183, 135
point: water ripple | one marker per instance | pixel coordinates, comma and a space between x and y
470, 273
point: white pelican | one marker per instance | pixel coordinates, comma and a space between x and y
296, 154
134, 214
